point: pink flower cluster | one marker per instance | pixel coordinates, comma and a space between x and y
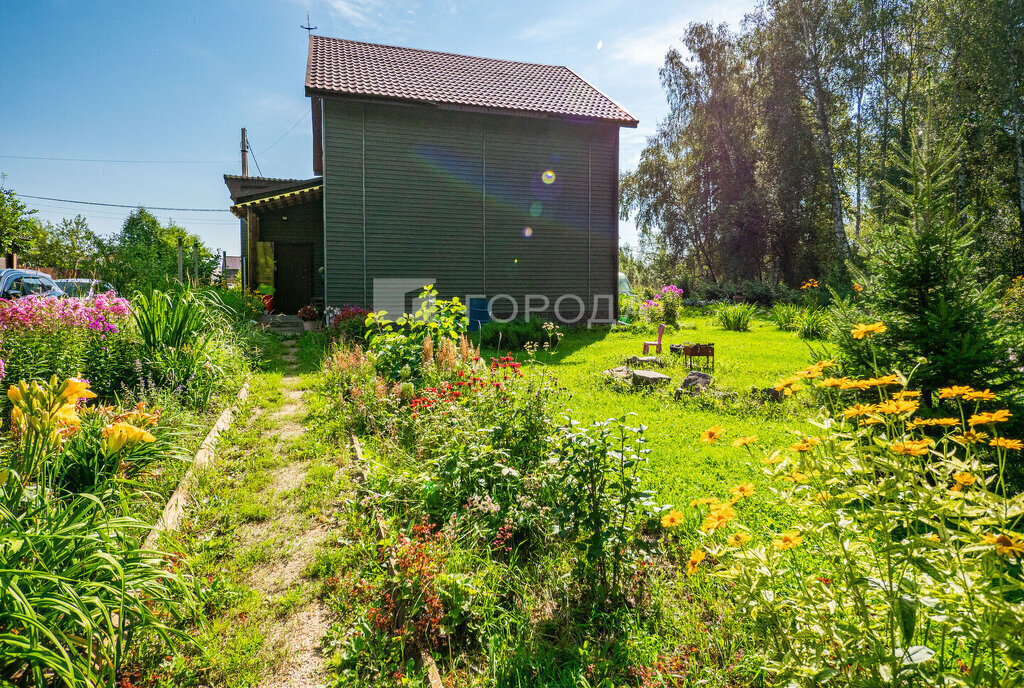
100, 313
667, 290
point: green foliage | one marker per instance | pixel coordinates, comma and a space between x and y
602, 470
70, 248
143, 256
923, 281
902, 566
238, 303
398, 346
1012, 304
515, 334
735, 316
813, 323
189, 345
15, 219
78, 591
786, 316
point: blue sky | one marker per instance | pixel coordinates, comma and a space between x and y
170, 83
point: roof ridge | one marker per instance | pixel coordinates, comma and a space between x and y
441, 52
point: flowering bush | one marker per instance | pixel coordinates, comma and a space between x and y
44, 336
348, 323
307, 313
902, 565
70, 563
663, 306
101, 313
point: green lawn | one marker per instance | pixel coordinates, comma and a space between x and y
682, 467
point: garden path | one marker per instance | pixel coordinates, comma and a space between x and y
296, 637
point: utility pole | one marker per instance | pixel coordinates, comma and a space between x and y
181, 274
195, 261
245, 154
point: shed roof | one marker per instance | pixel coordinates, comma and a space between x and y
339, 66
304, 192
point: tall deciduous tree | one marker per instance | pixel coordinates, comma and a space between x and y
15, 218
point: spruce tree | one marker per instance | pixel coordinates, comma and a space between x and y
923, 279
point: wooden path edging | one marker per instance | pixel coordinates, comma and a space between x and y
175, 507
433, 675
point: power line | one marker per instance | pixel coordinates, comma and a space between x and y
121, 205
247, 145
281, 137
138, 162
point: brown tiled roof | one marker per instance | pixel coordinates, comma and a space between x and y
366, 69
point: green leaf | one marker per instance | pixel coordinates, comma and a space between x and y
915, 654
906, 607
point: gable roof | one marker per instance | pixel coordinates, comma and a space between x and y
339, 66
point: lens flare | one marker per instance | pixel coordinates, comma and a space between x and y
527, 232
535, 208
548, 177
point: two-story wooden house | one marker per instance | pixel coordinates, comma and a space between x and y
493, 179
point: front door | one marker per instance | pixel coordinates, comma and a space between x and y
293, 276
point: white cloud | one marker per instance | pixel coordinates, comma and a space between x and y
573, 18
359, 12
647, 46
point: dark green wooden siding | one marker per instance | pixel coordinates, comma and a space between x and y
461, 197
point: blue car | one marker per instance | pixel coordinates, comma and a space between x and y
16, 282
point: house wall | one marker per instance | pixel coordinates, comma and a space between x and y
411, 191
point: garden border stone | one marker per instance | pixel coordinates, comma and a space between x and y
175, 507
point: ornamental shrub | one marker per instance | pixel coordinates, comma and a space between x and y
735, 316
398, 346
348, 323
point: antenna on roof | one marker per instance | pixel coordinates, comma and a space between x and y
309, 29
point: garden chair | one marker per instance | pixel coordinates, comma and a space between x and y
657, 344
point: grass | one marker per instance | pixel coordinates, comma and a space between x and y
682, 467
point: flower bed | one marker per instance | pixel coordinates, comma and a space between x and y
532, 546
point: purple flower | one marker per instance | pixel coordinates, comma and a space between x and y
3, 369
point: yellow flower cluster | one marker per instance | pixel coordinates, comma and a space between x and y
911, 447
810, 284
989, 418
672, 519
788, 540
118, 435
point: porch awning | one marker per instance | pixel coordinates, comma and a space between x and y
275, 201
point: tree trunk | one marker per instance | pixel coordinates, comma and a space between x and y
838, 230
860, 98
1019, 146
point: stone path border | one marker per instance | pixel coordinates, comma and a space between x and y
175, 507
433, 675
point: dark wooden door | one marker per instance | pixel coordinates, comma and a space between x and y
293, 277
